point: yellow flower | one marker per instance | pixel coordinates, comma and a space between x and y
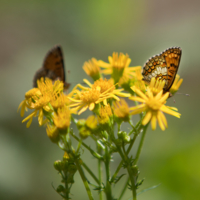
118, 66
87, 99
91, 122
154, 107
34, 92
59, 100
177, 83
48, 87
38, 105
29, 98
104, 114
107, 88
121, 109
40, 99
92, 69
100, 91
116, 63
62, 118
52, 132
156, 85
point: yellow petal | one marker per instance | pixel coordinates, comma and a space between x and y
110, 59
172, 108
83, 109
141, 94
106, 71
137, 99
40, 117
103, 64
87, 82
105, 102
30, 116
29, 122
147, 118
163, 118
158, 96
128, 62
179, 83
153, 122
137, 107
20, 105
169, 111
114, 97
75, 100
149, 93
164, 97
160, 122
91, 106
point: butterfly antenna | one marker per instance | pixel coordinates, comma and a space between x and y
183, 94
68, 73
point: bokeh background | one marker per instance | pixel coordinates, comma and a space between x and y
86, 29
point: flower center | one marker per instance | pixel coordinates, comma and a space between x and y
119, 61
92, 95
153, 104
104, 85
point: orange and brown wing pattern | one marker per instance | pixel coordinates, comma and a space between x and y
163, 66
53, 67
173, 58
53, 63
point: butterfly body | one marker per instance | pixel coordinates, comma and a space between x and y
53, 67
163, 66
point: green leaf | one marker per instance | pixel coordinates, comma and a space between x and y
151, 188
118, 178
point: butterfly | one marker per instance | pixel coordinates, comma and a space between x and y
163, 66
53, 67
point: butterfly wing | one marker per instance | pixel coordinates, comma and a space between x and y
163, 66
53, 67
172, 57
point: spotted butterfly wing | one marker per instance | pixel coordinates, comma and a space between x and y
163, 66
53, 67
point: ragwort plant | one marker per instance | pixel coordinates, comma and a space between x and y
107, 101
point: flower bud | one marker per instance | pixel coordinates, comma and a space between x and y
84, 133
60, 188
58, 165
123, 136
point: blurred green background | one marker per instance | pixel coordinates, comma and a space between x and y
85, 29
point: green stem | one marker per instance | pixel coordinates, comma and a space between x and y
99, 172
117, 171
107, 166
133, 184
80, 170
140, 145
121, 163
127, 161
67, 190
124, 189
85, 145
131, 143
90, 172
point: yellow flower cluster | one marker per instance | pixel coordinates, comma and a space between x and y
48, 100
103, 98
151, 98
